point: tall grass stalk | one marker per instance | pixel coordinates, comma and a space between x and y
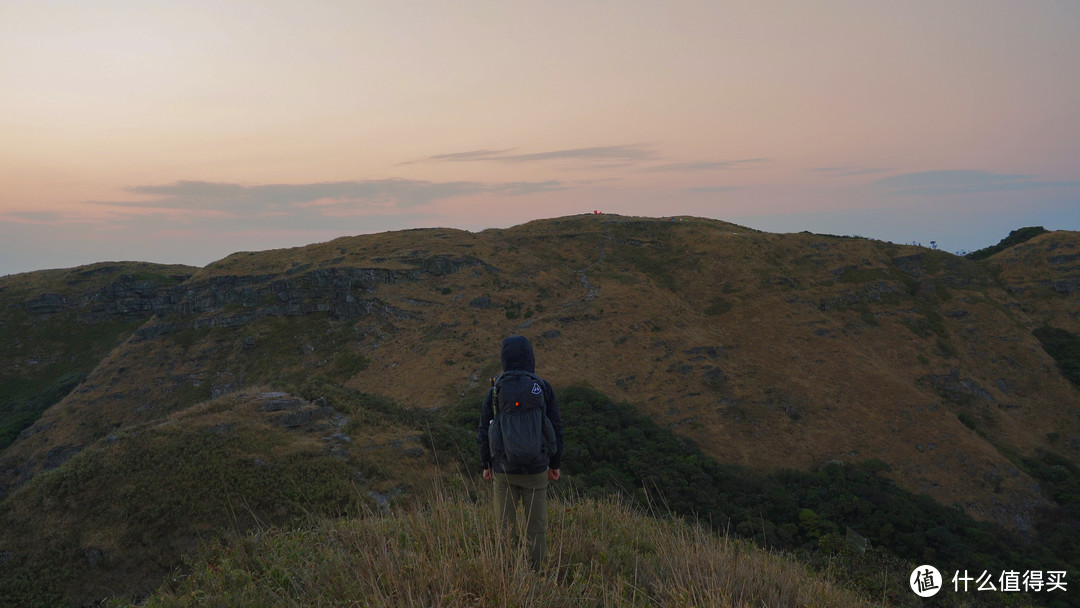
448, 550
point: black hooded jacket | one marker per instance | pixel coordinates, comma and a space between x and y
517, 354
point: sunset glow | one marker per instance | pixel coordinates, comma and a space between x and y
181, 132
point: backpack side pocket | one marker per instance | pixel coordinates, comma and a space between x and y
549, 437
495, 440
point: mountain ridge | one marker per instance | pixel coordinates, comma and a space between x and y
232, 293
768, 351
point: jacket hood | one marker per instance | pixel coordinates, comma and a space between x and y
517, 355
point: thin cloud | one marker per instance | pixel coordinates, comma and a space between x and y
192, 190
634, 153
226, 207
596, 157
711, 189
471, 155
519, 188
962, 182
49, 218
368, 194
30, 217
706, 165
849, 171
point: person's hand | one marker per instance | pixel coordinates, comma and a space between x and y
489, 475
553, 474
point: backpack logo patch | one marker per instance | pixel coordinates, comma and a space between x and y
536, 390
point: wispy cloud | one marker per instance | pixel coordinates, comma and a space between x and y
628, 152
962, 182
849, 171
596, 157
223, 207
52, 218
711, 189
470, 155
401, 193
29, 217
357, 195
625, 153
707, 165
519, 188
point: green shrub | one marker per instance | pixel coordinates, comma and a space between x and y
1064, 347
1016, 237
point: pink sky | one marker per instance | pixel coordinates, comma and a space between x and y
184, 131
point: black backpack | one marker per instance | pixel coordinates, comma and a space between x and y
520, 434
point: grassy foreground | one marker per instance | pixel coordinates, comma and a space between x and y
446, 551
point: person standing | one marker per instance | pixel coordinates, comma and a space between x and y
521, 442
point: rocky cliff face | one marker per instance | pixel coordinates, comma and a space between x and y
337, 291
340, 292
105, 292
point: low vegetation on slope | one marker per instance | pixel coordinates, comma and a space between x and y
814, 514
119, 515
47, 360
1016, 237
59, 324
1064, 347
449, 552
613, 450
617, 539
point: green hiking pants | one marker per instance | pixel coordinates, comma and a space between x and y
530, 491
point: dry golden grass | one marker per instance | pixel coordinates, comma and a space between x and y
448, 552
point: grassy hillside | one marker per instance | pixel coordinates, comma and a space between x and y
938, 385
59, 324
449, 553
1043, 276
120, 515
144, 500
